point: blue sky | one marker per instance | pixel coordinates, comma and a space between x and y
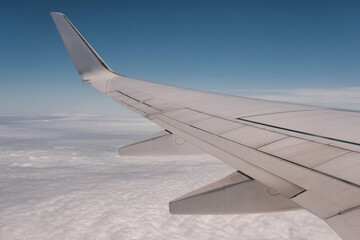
211, 45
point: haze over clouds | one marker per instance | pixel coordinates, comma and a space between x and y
61, 178
346, 97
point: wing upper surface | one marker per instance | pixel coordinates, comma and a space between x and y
307, 154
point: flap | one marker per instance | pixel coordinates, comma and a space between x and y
346, 224
163, 143
233, 194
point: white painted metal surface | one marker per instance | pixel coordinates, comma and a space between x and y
160, 144
235, 193
307, 154
345, 166
252, 137
217, 125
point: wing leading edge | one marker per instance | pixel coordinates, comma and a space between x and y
308, 155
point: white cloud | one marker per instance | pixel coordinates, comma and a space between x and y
61, 178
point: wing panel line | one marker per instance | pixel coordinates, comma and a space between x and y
300, 132
277, 157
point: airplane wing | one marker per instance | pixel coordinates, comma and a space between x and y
286, 156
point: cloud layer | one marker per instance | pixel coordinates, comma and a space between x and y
348, 97
61, 178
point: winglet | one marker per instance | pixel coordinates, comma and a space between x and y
87, 62
160, 144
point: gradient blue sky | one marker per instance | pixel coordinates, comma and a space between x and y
210, 45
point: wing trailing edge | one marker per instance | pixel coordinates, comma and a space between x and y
346, 224
235, 193
162, 143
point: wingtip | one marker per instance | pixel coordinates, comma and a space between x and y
56, 13
87, 62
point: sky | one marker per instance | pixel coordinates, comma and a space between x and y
302, 51
61, 178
